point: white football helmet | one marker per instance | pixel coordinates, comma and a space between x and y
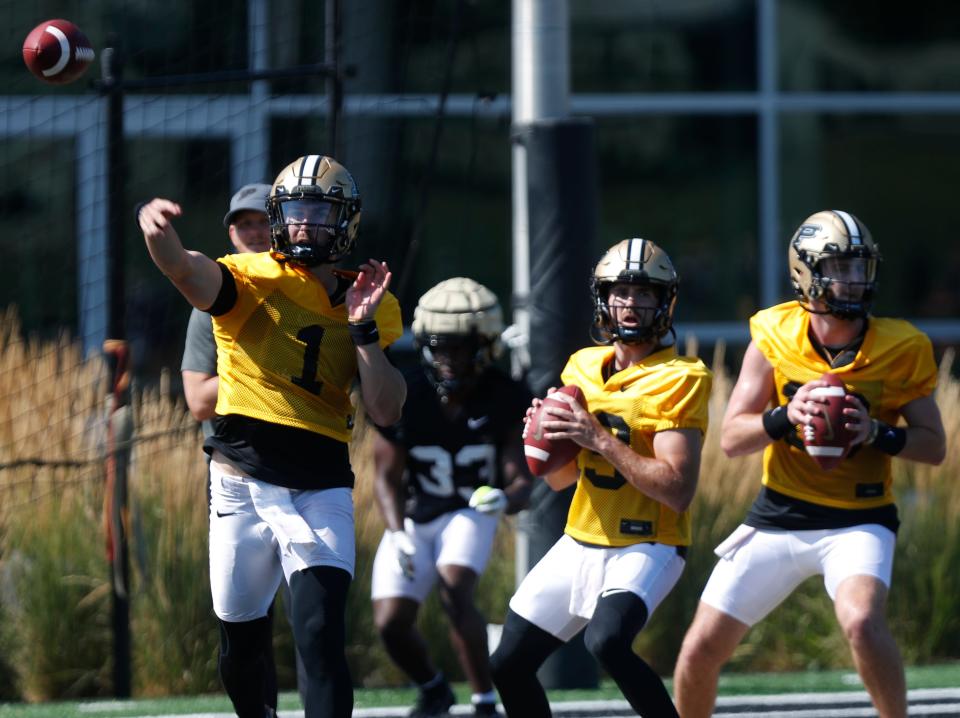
456, 328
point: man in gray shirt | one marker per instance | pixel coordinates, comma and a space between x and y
249, 231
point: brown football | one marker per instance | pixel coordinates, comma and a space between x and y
543, 455
57, 52
825, 438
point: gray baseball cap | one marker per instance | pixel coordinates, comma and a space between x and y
252, 197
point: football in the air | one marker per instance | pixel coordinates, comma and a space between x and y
543, 455
826, 438
57, 52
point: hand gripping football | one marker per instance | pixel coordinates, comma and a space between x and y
57, 52
825, 437
543, 455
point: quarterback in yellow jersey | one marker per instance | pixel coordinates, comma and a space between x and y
628, 528
293, 336
840, 524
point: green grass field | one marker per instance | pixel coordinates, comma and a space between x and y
939, 676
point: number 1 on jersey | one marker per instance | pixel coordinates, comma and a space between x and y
310, 336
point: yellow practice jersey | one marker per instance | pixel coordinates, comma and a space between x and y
663, 392
284, 354
894, 366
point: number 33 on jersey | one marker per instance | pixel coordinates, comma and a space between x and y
291, 359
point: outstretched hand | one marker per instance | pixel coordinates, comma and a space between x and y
367, 290
154, 218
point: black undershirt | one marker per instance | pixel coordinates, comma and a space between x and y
775, 511
281, 455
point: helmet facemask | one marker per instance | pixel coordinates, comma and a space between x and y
643, 323
454, 362
633, 263
314, 212
848, 284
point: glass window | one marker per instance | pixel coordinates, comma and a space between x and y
868, 46
421, 51
39, 268
663, 46
688, 184
465, 228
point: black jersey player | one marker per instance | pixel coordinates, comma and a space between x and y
444, 474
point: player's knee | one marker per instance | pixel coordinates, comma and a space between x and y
502, 663
510, 658
607, 647
861, 626
457, 600
392, 625
319, 595
460, 610
700, 651
244, 640
523, 649
616, 621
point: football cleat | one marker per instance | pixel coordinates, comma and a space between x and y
434, 702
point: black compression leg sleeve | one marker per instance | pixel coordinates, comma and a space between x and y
246, 666
523, 649
609, 637
319, 599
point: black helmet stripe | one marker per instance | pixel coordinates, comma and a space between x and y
635, 252
853, 229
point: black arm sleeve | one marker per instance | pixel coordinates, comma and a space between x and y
227, 297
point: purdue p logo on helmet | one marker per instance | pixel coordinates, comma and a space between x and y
316, 200
825, 244
634, 261
456, 328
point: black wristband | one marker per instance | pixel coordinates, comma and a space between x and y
776, 423
890, 439
364, 332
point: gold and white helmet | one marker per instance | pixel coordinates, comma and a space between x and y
456, 328
834, 260
634, 261
315, 198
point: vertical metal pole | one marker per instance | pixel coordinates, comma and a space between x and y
768, 130
117, 358
541, 90
335, 81
250, 161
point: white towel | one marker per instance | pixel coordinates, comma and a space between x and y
728, 547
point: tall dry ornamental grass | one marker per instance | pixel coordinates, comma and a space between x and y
54, 595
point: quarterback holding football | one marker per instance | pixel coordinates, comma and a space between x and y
628, 526
837, 520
